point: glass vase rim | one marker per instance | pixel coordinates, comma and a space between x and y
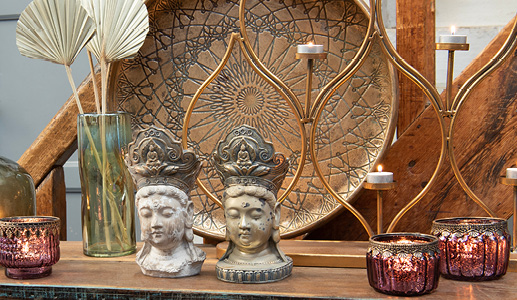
426, 239
461, 222
25, 221
113, 113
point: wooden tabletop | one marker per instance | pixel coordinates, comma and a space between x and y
76, 276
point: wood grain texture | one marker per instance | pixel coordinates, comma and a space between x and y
51, 197
416, 44
340, 254
484, 144
57, 142
76, 276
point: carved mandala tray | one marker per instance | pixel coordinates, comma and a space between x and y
186, 43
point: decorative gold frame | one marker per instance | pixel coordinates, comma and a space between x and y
376, 29
310, 114
442, 110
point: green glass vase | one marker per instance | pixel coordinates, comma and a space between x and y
107, 189
17, 194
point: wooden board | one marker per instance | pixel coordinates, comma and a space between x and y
49, 152
51, 198
77, 276
484, 147
415, 42
57, 142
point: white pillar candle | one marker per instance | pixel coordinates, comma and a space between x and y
379, 177
511, 173
310, 48
453, 38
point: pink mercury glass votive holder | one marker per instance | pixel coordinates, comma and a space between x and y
473, 249
404, 264
29, 246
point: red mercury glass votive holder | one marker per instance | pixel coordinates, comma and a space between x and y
473, 249
29, 246
404, 264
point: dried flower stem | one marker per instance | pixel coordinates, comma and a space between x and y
94, 82
72, 84
104, 168
104, 83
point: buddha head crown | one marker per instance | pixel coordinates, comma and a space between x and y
156, 158
244, 158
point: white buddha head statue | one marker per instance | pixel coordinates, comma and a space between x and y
164, 174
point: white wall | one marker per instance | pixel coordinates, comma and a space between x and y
32, 91
480, 20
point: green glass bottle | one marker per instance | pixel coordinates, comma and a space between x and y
17, 194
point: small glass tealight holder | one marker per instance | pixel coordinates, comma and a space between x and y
403, 264
29, 246
473, 249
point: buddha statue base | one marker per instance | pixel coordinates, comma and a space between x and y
190, 269
253, 273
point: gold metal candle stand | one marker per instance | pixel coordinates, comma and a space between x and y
512, 182
308, 87
312, 112
451, 47
379, 187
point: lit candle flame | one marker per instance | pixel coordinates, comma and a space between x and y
404, 241
310, 43
379, 168
453, 29
25, 248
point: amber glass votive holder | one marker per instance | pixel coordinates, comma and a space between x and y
473, 249
29, 246
403, 264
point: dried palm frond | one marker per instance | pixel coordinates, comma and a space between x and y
122, 26
54, 30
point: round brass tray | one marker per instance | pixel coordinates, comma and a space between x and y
187, 42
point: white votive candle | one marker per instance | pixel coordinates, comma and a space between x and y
511, 173
310, 48
453, 38
379, 177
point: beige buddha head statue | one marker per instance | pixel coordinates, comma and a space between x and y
252, 174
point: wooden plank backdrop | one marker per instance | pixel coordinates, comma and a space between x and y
415, 43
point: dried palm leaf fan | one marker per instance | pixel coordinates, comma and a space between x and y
122, 26
55, 30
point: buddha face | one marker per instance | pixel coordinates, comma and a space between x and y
249, 222
162, 220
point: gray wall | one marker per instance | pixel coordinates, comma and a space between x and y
32, 91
